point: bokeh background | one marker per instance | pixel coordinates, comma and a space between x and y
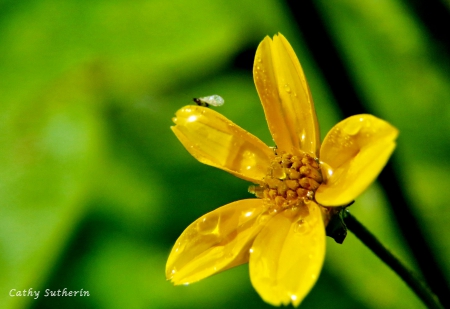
95, 188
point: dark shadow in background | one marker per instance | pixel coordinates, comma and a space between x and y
326, 55
435, 16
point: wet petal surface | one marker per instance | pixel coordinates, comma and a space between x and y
285, 96
219, 240
214, 140
287, 256
356, 150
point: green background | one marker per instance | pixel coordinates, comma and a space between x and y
95, 188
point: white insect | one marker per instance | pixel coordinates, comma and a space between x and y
214, 100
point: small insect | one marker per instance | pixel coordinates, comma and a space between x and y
214, 100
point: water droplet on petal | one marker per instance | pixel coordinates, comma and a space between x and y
273, 211
192, 118
300, 226
327, 171
247, 215
208, 225
352, 128
291, 212
263, 219
287, 88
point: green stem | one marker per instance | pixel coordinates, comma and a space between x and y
411, 279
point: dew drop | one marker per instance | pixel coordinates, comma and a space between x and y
178, 247
247, 215
192, 118
291, 212
352, 128
273, 211
287, 88
300, 226
208, 225
189, 236
259, 59
263, 219
327, 171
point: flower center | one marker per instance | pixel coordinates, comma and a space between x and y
290, 182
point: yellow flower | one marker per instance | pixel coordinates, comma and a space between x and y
281, 232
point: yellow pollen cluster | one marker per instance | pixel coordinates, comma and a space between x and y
290, 182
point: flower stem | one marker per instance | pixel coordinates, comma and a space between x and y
411, 279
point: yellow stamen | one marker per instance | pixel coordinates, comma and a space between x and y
290, 181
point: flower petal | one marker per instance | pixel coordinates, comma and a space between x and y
219, 240
356, 150
285, 96
287, 256
214, 140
